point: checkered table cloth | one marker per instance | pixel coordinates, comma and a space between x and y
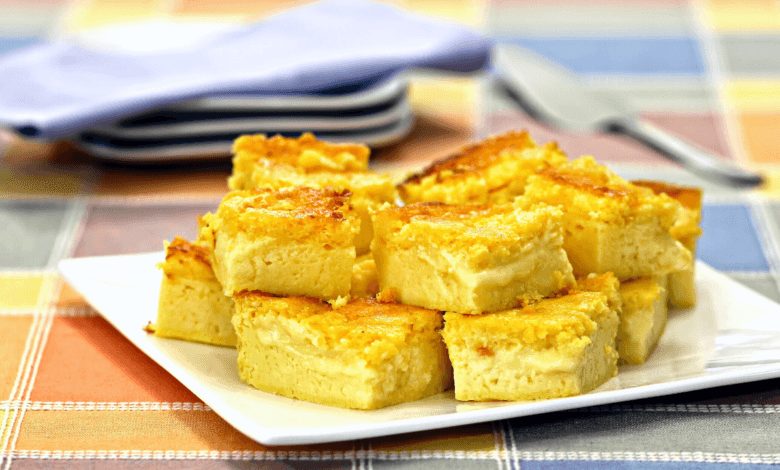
75, 394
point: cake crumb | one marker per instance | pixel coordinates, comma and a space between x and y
339, 302
388, 296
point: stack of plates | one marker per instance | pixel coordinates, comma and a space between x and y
374, 113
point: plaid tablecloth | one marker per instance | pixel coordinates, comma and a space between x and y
75, 394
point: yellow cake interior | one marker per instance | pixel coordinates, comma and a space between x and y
609, 224
368, 190
553, 348
470, 258
192, 306
642, 319
365, 355
291, 241
686, 230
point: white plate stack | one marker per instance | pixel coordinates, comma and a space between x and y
374, 113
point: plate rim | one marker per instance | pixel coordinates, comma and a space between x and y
221, 148
205, 127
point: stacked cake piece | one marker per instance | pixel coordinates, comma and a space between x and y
509, 269
288, 247
192, 306
623, 241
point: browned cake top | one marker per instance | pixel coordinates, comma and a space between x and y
595, 183
476, 157
689, 197
544, 324
288, 150
590, 191
297, 201
469, 229
441, 211
372, 329
180, 247
269, 173
356, 312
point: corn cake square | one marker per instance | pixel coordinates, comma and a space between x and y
306, 152
365, 355
611, 225
288, 241
369, 190
686, 230
470, 258
491, 171
192, 306
556, 347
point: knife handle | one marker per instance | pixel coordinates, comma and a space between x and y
686, 154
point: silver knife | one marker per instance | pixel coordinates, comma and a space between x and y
557, 96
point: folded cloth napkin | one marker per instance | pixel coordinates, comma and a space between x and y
59, 88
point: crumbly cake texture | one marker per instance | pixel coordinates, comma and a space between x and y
556, 347
192, 306
305, 152
686, 230
364, 279
609, 224
365, 355
491, 171
606, 284
469, 258
643, 318
290, 241
369, 190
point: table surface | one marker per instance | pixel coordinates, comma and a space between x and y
75, 394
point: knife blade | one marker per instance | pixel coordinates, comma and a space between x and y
553, 94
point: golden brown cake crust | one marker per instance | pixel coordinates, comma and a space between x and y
492, 171
187, 260
287, 150
370, 328
592, 191
298, 201
593, 183
463, 225
359, 312
438, 210
181, 248
542, 325
254, 211
271, 173
476, 157
690, 197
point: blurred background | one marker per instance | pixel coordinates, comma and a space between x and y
707, 71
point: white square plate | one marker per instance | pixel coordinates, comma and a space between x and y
732, 336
